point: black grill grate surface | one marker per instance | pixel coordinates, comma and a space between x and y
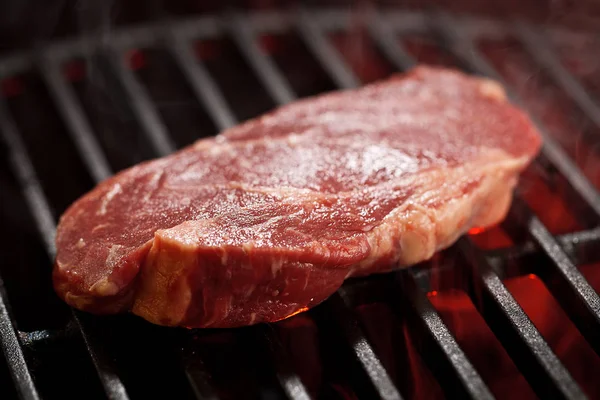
122, 371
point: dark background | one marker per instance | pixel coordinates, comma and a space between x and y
27, 23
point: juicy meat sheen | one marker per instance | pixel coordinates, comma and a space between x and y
269, 217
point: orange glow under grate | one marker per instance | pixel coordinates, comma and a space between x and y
481, 346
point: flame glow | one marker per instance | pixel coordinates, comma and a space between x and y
300, 310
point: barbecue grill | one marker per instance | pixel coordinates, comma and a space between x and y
154, 88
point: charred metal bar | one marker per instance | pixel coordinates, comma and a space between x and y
385, 37
437, 346
14, 353
265, 68
142, 106
76, 121
73, 116
208, 91
575, 295
198, 378
42, 336
523, 342
454, 370
324, 52
463, 47
341, 309
204, 87
103, 361
288, 379
26, 176
581, 247
361, 348
542, 52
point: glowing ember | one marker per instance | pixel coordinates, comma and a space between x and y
301, 310
398, 352
480, 345
491, 238
558, 330
476, 231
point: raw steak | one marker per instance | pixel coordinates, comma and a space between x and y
268, 218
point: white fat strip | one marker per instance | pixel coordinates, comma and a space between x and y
249, 291
104, 287
216, 150
248, 247
224, 258
294, 139
492, 89
113, 255
116, 189
307, 276
252, 318
153, 184
98, 227
276, 266
226, 312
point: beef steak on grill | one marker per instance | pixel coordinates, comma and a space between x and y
269, 217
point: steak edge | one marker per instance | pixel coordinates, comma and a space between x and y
270, 217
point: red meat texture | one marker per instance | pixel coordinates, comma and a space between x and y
268, 218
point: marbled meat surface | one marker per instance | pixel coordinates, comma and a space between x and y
268, 218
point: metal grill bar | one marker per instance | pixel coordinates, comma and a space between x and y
512, 327
25, 172
578, 247
142, 106
77, 123
204, 87
324, 52
154, 129
573, 283
44, 337
197, 376
26, 176
383, 34
14, 354
454, 371
103, 361
466, 379
569, 287
542, 52
71, 111
362, 350
288, 379
208, 93
265, 68
462, 46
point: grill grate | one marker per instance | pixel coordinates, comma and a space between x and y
552, 258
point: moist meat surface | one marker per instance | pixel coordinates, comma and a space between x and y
269, 217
